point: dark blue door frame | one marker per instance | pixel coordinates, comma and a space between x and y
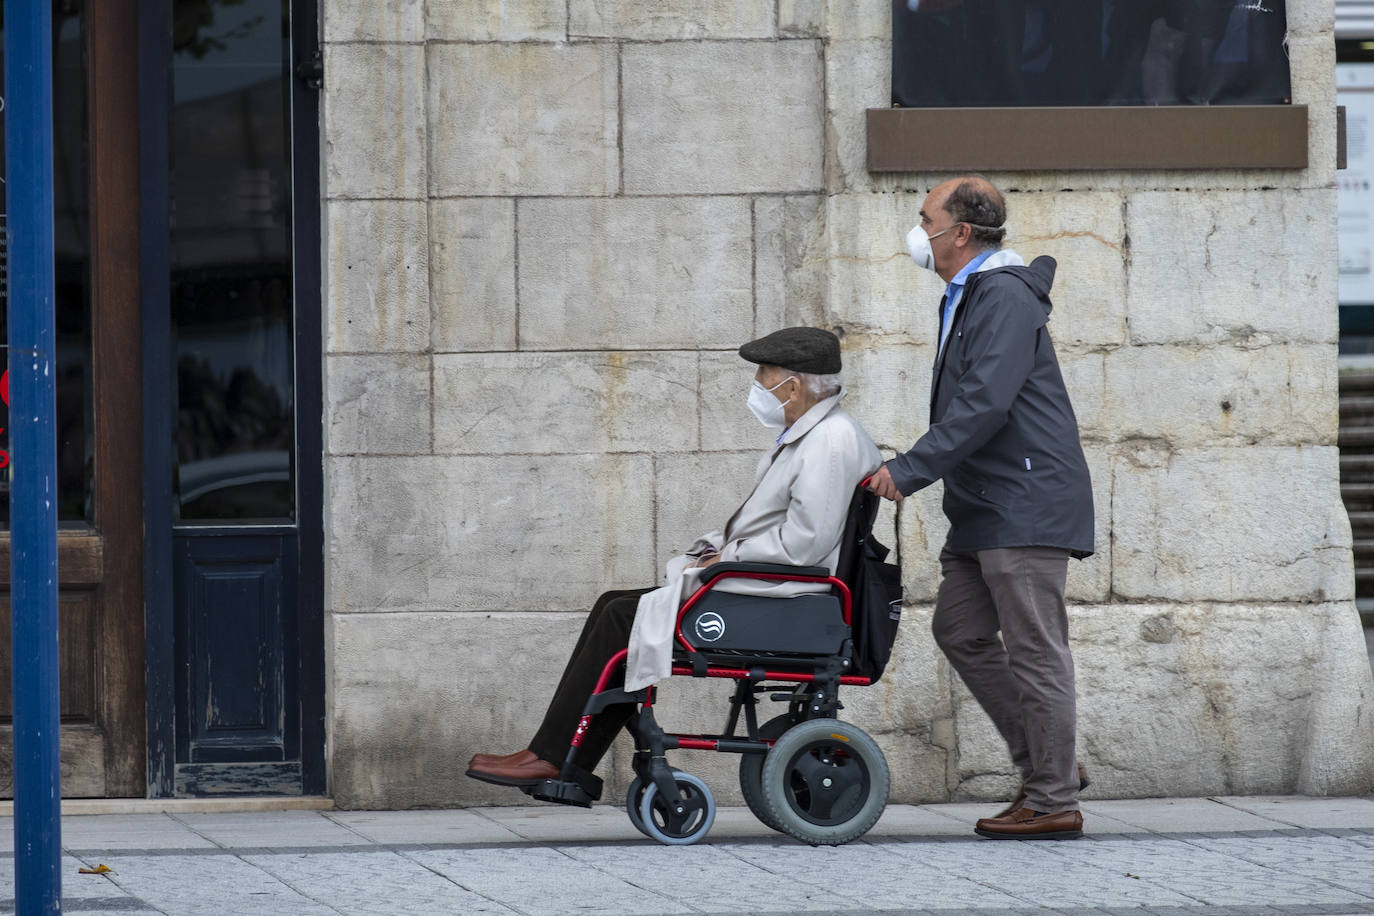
159, 409
155, 109
307, 68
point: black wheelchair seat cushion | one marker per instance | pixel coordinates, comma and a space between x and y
811, 624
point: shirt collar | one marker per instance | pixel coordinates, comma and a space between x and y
971, 267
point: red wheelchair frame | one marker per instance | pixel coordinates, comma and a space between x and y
804, 773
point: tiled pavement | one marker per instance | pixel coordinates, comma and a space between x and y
1216, 856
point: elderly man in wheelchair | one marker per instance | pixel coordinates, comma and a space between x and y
757, 602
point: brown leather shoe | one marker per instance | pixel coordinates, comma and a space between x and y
1020, 800
524, 755
1025, 824
527, 773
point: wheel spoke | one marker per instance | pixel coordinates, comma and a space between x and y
673, 823
825, 785
822, 803
810, 768
846, 775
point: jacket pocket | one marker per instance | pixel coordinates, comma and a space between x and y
978, 487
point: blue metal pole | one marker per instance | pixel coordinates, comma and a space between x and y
33, 455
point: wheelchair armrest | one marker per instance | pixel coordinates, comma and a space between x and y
776, 569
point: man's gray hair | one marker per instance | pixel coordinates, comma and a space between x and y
819, 387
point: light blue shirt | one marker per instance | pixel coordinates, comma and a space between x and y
954, 293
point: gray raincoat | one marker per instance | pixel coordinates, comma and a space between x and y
1002, 434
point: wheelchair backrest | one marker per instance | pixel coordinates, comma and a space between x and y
858, 526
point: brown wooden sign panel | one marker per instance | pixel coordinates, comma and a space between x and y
1087, 139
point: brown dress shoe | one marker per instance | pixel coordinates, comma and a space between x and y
526, 773
1025, 824
520, 756
1020, 800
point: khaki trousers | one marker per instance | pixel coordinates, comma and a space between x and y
1024, 681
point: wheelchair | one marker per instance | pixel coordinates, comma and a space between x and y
803, 772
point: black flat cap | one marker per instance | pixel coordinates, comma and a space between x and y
809, 350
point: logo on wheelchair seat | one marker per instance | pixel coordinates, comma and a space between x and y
710, 626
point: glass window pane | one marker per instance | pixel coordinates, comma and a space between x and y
1008, 53
71, 237
231, 262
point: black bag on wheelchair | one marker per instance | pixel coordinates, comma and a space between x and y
875, 588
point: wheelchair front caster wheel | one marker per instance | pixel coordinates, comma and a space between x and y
633, 796
678, 821
825, 782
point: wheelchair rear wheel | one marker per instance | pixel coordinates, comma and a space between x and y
751, 771
825, 782
663, 820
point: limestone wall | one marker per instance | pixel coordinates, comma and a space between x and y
549, 225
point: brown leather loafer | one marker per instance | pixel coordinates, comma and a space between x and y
1020, 800
526, 773
1025, 824
524, 755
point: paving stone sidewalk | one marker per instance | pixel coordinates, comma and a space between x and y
1213, 856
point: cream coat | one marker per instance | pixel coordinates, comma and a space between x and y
794, 516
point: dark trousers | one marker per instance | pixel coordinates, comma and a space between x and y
605, 633
1025, 680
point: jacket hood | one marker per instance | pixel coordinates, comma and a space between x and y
1002, 257
1038, 275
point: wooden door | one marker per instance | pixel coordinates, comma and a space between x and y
100, 552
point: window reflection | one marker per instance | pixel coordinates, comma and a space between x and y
231, 261
72, 265
970, 53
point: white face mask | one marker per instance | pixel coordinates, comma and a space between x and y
767, 408
918, 244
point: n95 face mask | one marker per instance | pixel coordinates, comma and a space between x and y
918, 245
768, 409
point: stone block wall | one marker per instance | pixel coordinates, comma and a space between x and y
549, 225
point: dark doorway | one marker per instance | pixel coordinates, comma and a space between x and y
237, 427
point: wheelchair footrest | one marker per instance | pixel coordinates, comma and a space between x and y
562, 792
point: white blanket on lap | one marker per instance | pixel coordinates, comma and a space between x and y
651, 639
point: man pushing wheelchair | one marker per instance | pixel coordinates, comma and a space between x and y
800, 544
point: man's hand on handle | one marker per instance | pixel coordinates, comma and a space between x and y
881, 483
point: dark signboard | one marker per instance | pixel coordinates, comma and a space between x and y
1012, 53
